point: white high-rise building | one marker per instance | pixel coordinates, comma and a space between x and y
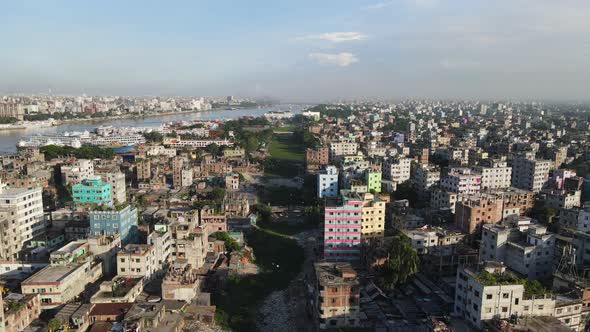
528, 173
485, 292
328, 182
397, 169
462, 181
80, 170
24, 213
495, 174
340, 149
118, 187
425, 176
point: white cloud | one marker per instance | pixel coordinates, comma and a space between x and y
336, 37
379, 5
343, 59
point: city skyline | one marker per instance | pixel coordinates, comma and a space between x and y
303, 52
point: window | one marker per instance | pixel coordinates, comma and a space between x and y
489, 296
504, 309
505, 295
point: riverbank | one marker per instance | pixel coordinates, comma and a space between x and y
151, 115
10, 138
43, 124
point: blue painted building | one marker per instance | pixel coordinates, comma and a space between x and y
113, 221
92, 190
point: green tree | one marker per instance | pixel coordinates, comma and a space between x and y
7, 120
534, 288
53, 325
153, 137
251, 143
218, 194
213, 149
401, 264
230, 243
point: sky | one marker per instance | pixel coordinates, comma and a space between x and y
299, 51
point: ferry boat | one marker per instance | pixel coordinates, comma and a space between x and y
77, 139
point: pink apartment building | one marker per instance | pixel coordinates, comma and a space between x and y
342, 227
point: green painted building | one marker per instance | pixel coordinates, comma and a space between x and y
92, 190
373, 180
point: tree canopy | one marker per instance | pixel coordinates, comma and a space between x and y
401, 264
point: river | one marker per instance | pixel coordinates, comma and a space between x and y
9, 138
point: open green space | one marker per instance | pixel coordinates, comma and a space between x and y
286, 156
285, 128
286, 147
279, 258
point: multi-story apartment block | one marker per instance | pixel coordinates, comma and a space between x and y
118, 186
474, 211
397, 169
72, 267
105, 248
113, 221
11, 110
11, 242
583, 222
425, 177
316, 158
373, 180
143, 169
558, 156
495, 174
177, 172
424, 239
160, 150
342, 227
488, 291
561, 199
138, 260
232, 182
190, 243
575, 219
528, 173
515, 198
336, 296
443, 199
328, 182
161, 240
21, 211
341, 149
373, 217
234, 153
92, 190
79, 170
18, 311
462, 181
529, 252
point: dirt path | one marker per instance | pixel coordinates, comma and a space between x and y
286, 310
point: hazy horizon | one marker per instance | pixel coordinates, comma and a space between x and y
306, 51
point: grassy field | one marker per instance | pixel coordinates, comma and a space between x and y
286, 156
284, 129
280, 259
284, 147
